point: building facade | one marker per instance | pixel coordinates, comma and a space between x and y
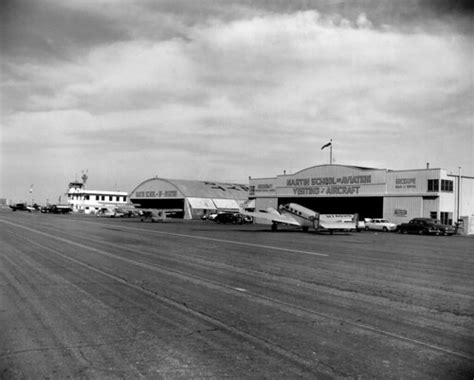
372, 193
188, 199
91, 201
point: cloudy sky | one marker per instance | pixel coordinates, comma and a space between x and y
224, 90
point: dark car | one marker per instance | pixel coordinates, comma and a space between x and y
56, 209
229, 217
445, 229
426, 226
21, 207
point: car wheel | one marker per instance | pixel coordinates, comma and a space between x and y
366, 228
385, 229
420, 232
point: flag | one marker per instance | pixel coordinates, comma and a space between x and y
31, 188
326, 145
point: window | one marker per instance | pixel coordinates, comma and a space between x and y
433, 185
446, 217
434, 215
447, 185
86, 197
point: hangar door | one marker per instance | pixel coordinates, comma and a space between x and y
366, 207
173, 206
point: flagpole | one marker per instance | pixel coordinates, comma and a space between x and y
330, 153
329, 144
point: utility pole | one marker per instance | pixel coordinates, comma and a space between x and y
459, 195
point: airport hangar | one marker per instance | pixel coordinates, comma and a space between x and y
372, 193
396, 195
189, 199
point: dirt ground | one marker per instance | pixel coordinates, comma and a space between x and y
83, 297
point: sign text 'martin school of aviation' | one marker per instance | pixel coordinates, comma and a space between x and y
328, 185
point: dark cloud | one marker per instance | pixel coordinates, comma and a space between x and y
399, 14
44, 31
465, 7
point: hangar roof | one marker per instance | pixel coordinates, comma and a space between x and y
332, 166
198, 189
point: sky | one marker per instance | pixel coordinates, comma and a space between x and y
127, 90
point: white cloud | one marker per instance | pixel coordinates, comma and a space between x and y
251, 93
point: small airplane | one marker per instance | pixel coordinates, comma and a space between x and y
297, 215
117, 211
110, 211
152, 215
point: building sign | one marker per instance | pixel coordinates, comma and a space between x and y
318, 181
156, 194
329, 190
344, 185
405, 183
262, 189
400, 212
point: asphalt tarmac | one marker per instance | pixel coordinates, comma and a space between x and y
86, 297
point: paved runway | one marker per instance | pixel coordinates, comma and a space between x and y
116, 298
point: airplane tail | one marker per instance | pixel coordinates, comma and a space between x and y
339, 221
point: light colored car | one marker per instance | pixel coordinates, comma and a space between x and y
380, 225
360, 225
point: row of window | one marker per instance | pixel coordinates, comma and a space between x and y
105, 198
446, 185
444, 217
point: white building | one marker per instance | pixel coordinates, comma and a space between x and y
91, 201
396, 195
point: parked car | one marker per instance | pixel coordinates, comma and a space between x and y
247, 219
426, 226
210, 216
21, 207
445, 229
229, 217
379, 225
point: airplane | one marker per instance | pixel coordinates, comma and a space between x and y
297, 215
110, 212
117, 210
152, 215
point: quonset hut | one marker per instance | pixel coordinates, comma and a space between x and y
189, 199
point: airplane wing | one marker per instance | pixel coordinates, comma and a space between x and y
272, 215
